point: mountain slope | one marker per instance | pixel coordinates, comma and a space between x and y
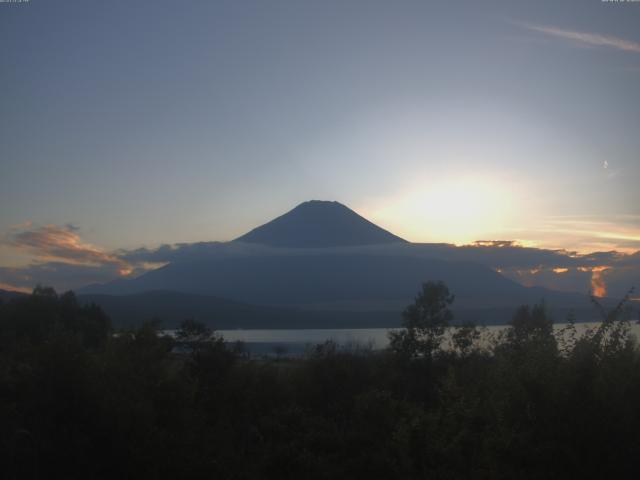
132, 310
319, 224
325, 259
172, 307
7, 295
334, 279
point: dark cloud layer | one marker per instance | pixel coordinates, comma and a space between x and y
64, 260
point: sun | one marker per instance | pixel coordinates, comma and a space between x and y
453, 210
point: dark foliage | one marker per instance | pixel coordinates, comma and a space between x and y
425, 322
78, 400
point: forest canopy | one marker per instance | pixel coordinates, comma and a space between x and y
80, 400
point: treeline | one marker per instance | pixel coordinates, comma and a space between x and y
78, 400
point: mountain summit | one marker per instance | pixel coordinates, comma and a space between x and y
319, 224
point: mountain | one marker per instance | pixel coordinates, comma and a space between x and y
172, 307
127, 311
316, 224
335, 281
299, 279
6, 295
319, 265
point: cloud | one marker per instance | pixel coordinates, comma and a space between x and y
15, 288
588, 233
586, 38
61, 244
185, 252
61, 258
558, 269
603, 273
611, 271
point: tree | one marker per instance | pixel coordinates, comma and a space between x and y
465, 337
530, 337
194, 336
424, 322
531, 325
44, 315
191, 330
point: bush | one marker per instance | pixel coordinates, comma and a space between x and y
78, 401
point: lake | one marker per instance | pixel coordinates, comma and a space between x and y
296, 341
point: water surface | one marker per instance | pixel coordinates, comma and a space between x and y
291, 341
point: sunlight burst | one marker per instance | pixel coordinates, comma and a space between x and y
458, 210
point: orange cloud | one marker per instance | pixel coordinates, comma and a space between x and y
585, 234
63, 244
7, 286
598, 285
495, 243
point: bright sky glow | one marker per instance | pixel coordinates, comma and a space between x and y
452, 210
133, 124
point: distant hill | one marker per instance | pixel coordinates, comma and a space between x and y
7, 295
349, 281
172, 307
319, 224
312, 278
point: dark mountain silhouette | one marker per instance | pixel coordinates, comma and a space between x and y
173, 307
320, 264
319, 224
170, 308
314, 278
6, 295
353, 281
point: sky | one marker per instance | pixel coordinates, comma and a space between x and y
128, 125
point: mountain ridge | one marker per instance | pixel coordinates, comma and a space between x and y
298, 263
319, 223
